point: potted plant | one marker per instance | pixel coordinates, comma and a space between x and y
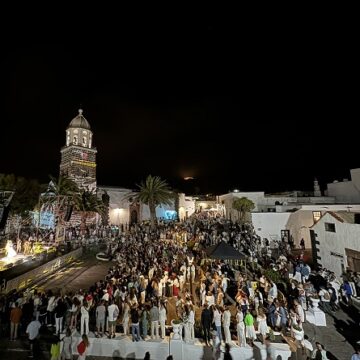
298, 332
271, 334
315, 301
176, 325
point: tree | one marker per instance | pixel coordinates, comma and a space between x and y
106, 203
62, 186
242, 206
87, 201
153, 192
26, 193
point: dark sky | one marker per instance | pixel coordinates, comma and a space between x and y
252, 109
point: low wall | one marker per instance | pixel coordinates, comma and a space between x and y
123, 348
27, 279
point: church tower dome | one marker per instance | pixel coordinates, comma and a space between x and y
79, 131
79, 121
78, 156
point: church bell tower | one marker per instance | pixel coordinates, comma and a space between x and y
78, 156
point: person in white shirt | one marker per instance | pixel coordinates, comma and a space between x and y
191, 323
299, 310
192, 273
226, 324
240, 327
100, 319
325, 300
319, 351
183, 269
113, 313
32, 331
210, 299
126, 317
162, 319
84, 319
224, 283
203, 292
273, 292
217, 322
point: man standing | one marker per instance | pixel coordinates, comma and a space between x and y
15, 316
32, 331
100, 319
113, 313
135, 329
154, 318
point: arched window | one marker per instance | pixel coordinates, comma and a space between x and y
75, 140
84, 141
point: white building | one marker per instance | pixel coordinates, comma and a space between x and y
121, 210
282, 202
337, 241
163, 212
186, 206
289, 214
346, 191
295, 224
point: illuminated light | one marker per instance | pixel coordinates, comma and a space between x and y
84, 162
236, 191
188, 178
170, 215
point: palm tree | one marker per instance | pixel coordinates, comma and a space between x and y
86, 201
153, 192
61, 186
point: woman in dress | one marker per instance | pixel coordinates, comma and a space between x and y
144, 321
240, 327
84, 319
249, 327
126, 317
262, 324
82, 347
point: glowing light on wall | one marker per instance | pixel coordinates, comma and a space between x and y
170, 215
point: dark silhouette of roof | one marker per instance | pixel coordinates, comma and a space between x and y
224, 251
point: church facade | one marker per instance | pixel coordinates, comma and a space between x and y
78, 156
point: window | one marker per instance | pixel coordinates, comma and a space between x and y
357, 218
316, 215
330, 227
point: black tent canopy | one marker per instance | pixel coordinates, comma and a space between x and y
224, 251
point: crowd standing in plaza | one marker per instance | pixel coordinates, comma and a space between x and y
155, 266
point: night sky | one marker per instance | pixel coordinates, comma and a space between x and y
231, 108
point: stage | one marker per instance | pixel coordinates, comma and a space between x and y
9, 262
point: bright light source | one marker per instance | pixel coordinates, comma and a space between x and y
236, 191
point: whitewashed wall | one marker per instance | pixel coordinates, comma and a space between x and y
118, 216
269, 225
186, 206
344, 192
256, 197
332, 244
299, 223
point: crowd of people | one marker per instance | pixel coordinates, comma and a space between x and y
226, 304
